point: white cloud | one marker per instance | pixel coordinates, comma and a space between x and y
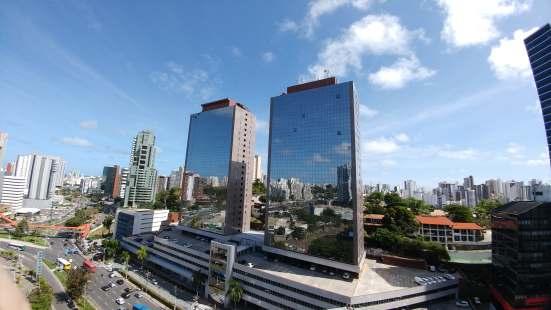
462, 154
541, 161
317, 9
508, 59
367, 111
317, 158
193, 83
268, 56
75, 141
400, 73
381, 146
236, 51
388, 163
473, 22
261, 125
401, 137
89, 124
514, 150
372, 35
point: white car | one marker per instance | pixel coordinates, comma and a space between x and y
119, 301
346, 275
109, 268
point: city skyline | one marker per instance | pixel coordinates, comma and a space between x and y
418, 128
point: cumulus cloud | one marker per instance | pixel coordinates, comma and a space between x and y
462, 154
381, 146
396, 76
317, 9
367, 111
534, 108
514, 150
191, 82
236, 51
89, 124
508, 59
388, 163
268, 56
473, 22
401, 137
76, 141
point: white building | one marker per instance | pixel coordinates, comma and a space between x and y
12, 190
90, 185
42, 174
132, 222
409, 189
257, 173
124, 180
176, 178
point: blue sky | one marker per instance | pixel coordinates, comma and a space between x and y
445, 86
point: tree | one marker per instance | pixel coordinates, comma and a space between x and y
400, 219
258, 188
299, 233
41, 298
392, 199
21, 228
417, 206
483, 211
235, 292
76, 282
107, 223
459, 213
169, 199
142, 255
111, 247
198, 280
125, 257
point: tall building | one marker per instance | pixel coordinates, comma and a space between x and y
3, 142
468, 182
521, 255
111, 181
538, 46
124, 182
12, 190
162, 184
175, 179
313, 135
42, 174
220, 150
409, 188
142, 175
257, 175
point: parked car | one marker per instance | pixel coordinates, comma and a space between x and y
462, 303
346, 275
120, 281
476, 300
119, 300
138, 295
106, 287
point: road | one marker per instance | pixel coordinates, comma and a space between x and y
29, 261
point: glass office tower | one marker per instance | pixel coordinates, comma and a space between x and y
313, 175
218, 171
538, 46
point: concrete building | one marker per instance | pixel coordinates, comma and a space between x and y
138, 221
176, 178
142, 175
258, 175
538, 46
111, 181
409, 189
12, 191
162, 184
90, 185
521, 255
220, 150
42, 174
468, 182
124, 182
3, 143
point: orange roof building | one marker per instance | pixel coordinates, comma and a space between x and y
441, 229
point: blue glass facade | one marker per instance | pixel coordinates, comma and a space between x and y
207, 161
538, 46
313, 178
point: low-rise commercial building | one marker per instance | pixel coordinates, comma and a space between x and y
443, 230
138, 221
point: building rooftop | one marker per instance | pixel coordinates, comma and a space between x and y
374, 216
222, 103
311, 85
518, 207
474, 226
434, 220
375, 277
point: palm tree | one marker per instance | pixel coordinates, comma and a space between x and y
142, 254
235, 292
107, 223
125, 256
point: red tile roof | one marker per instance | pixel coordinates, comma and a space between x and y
434, 220
374, 216
466, 226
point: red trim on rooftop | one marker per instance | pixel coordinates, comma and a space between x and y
311, 85
222, 103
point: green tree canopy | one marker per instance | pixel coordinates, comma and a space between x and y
107, 221
169, 199
21, 228
76, 281
142, 254
459, 213
258, 188
392, 199
111, 246
235, 292
483, 211
400, 219
41, 298
418, 207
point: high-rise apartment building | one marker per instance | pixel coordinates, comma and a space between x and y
538, 46
258, 175
111, 181
42, 174
468, 182
409, 188
12, 191
162, 184
3, 142
142, 175
176, 177
124, 182
219, 165
314, 144
521, 255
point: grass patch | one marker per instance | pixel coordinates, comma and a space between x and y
84, 304
62, 276
49, 263
32, 239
